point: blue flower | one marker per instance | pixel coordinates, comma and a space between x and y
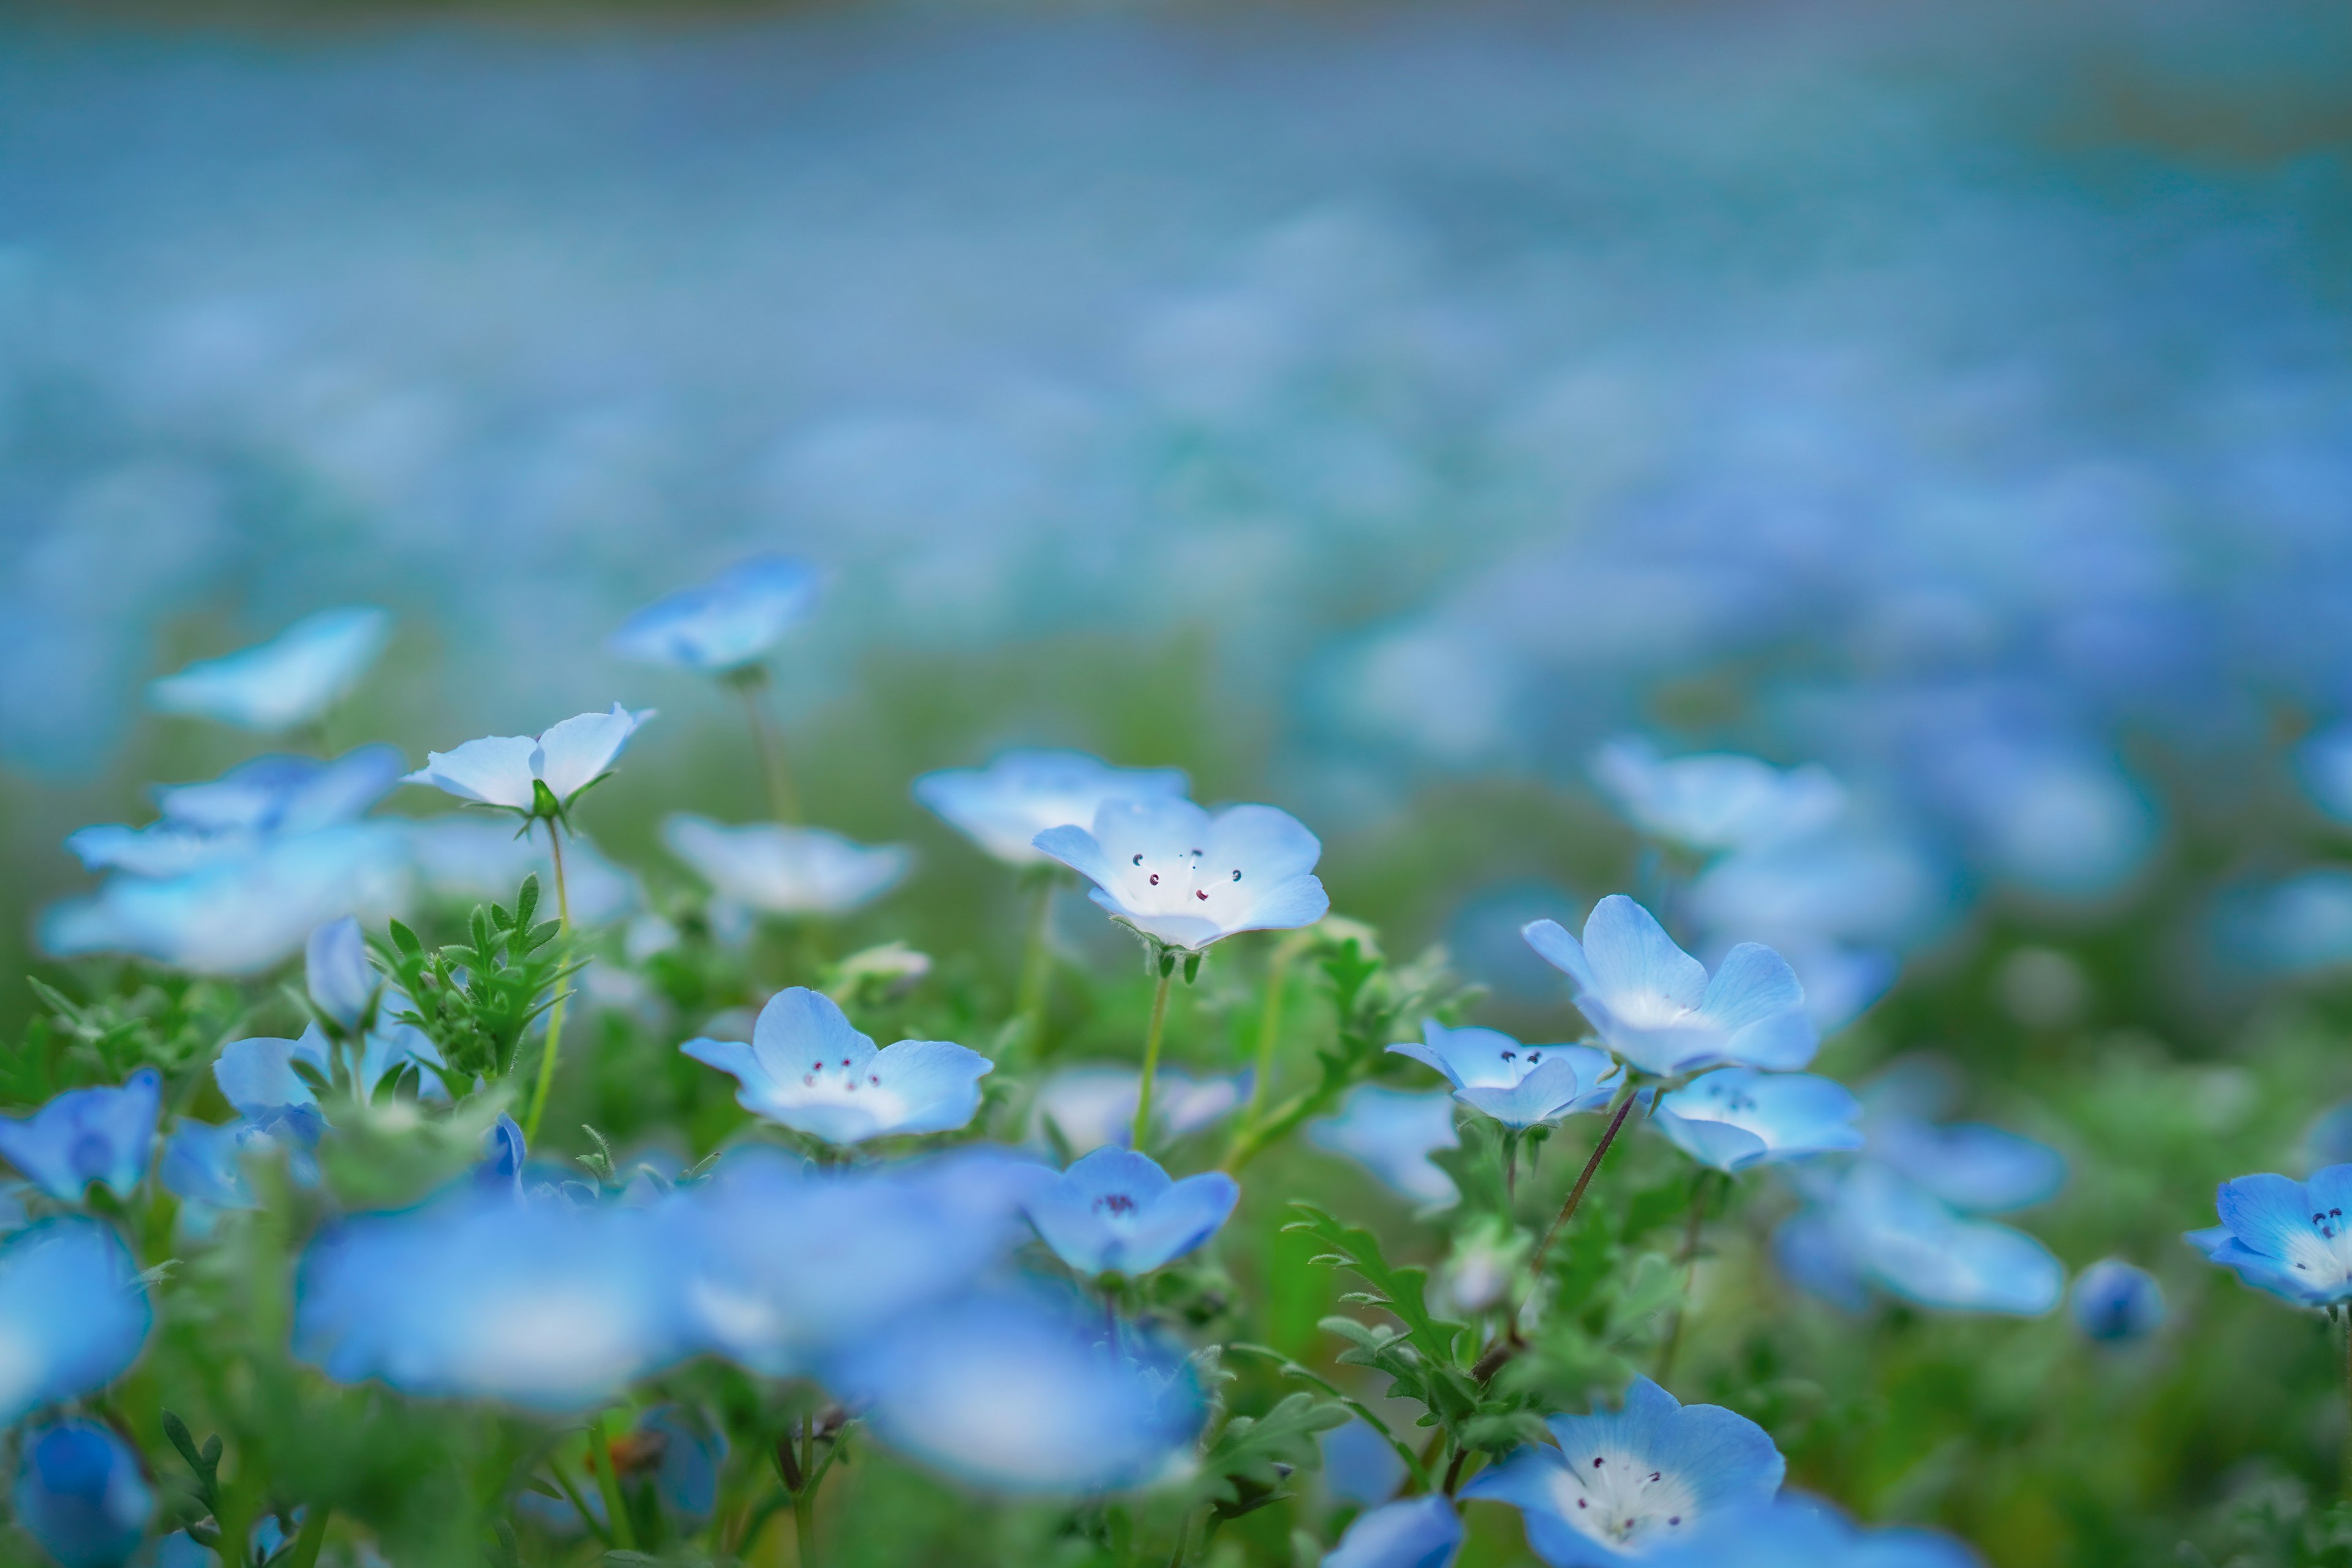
1975, 1168
1093, 1106
1115, 1212
290, 680
725, 622
1359, 1466
784, 870
87, 1135
335, 970
1185, 878
2324, 763
2117, 1303
1392, 1133
1003, 807
1020, 1392
474, 1295
80, 1494
1878, 1228
1738, 1116
1717, 801
1791, 1532
1517, 1085
784, 1264
73, 1313
809, 1069
2286, 1236
207, 824
258, 1074
1626, 1483
1654, 1004
204, 1165
505, 771
1419, 1532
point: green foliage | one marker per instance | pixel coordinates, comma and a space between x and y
168, 1022
476, 998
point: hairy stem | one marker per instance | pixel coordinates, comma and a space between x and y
555, 1011
1584, 1177
1151, 1058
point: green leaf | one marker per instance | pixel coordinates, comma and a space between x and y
1399, 1290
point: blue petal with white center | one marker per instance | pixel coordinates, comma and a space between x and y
1797, 1532
807, 1068
1717, 801
80, 1493
500, 770
2286, 1236
1003, 807
1656, 1006
780, 869
290, 680
1186, 879
1116, 1212
2114, 1303
1419, 1532
1738, 1116
1519, 1086
87, 1135
74, 1313
1626, 1483
723, 624
1392, 1133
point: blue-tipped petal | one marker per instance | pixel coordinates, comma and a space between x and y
86, 1135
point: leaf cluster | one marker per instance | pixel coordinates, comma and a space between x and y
171, 1022
477, 998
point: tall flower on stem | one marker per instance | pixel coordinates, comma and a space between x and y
1182, 880
539, 778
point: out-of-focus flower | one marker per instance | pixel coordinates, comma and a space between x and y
73, 1312
1626, 1483
809, 1069
1519, 1086
1116, 1212
87, 1135
1003, 807
476, 1295
1392, 1133
1853, 884
1092, 1106
1738, 1116
1419, 1532
290, 680
204, 1165
782, 1264
2297, 925
1359, 1466
1794, 1532
1185, 878
2285, 1237
1717, 801
80, 1494
1486, 1254
725, 622
205, 824
1875, 1227
258, 1074
672, 1450
509, 771
784, 870
1975, 1168
465, 859
336, 972
1655, 1007
2116, 1302
1019, 1392
2324, 763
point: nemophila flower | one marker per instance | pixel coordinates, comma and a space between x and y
242, 915
1392, 1133
784, 870
2114, 1302
1876, 1229
2286, 1236
1797, 1532
1626, 1483
725, 622
808, 1068
1419, 1532
73, 1313
1116, 1212
1715, 801
80, 1493
1738, 1116
258, 1074
1856, 883
511, 771
290, 680
1519, 1086
205, 824
1185, 878
1975, 1168
545, 1305
1092, 1106
1359, 1466
1654, 1006
782, 1264
342, 984
205, 1165
1003, 807
463, 860
1021, 1392
87, 1135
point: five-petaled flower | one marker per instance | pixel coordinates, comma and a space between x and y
1116, 1212
1185, 878
809, 1069
2289, 1238
1519, 1086
87, 1135
535, 776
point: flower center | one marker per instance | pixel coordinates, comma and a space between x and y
1118, 1203
1621, 1498
1178, 884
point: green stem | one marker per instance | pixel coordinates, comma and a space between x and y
1269, 1030
595, 1526
1151, 1055
554, 1012
782, 799
608, 1482
1036, 972
314, 1531
804, 1497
